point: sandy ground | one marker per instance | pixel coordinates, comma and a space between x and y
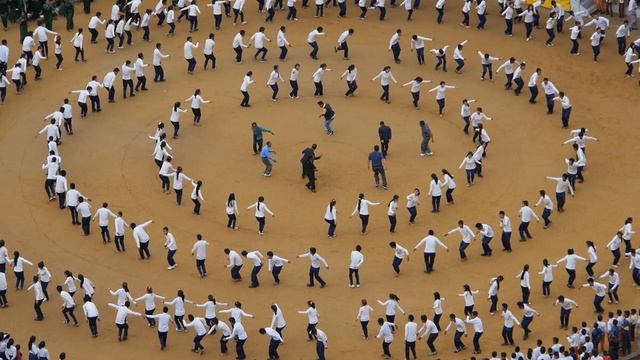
109, 159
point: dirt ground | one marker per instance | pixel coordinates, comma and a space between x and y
109, 158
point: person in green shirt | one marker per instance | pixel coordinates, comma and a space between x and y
67, 9
47, 12
257, 136
86, 6
4, 13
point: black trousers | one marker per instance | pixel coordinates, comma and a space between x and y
141, 84
125, 84
207, 58
95, 103
143, 250
294, 88
158, 73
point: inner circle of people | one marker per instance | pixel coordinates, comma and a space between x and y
584, 342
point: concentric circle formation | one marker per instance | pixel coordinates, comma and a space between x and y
109, 159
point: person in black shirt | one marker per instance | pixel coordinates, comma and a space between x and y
384, 132
308, 166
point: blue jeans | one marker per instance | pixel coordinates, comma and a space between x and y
463, 246
546, 213
413, 212
332, 227
506, 240
566, 113
235, 272
327, 126
396, 264
485, 245
526, 321
560, 199
320, 350
276, 273
314, 273
457, 343
564, 317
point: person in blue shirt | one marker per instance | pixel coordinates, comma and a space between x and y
257, 131
266, 155
384, 132
376, 162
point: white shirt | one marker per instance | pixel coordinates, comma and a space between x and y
234, 259
468, 297
400, 252
526, 214
67, 300
317, 76
476, 322
364, 313
281, 40
200, 249
196, 101
395, 38
238, 331
149, 300
547, 273
294, 74
258, 40
509, 319
546, 200
170, 242
255, 257
435, 188
315, 260
430, 243
311, 38
158, 56
357, 259
274, 77
103, 216
385, 78
418, 43
188, 49
412, 200
122, 313
330, 213
199, 325
140, 235
362, 207
465, 231
37, 289
246, 81
90, 310
178, 304
571, 261
109, 79
276, 261
237, 41
210, 308
440, 91
94, 21
278, 319
163, 321
261, 209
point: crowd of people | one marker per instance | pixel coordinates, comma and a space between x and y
585, 342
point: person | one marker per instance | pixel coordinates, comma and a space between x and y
357, 259
311, 40
256, 258
312, 318
192, 12
467, 235
362, 208
415, 89
293, 81
487, 62
273, 82
261, 209
210, 309
566, 305
440, 95
435, 191
487, 235
328, 114
413, 200
39, 296
548, 208
235, 264
149, 304
123, 312
385, 75
342, 43
533, 85
614, 247
68, 306
377, 163
282, 43
244, 89
142, 239
317, 79
600, 292
509, 67
570, 265
470, 166
163, 319
460, 329
178, 305
188, 54
400, 253
266, 155
199, 325
478, 328
103, 215
417, 42
550, 91
391, 305
384, 134
314, 269
527, 318
321, 342
78, 44
392, 210
386, 333
196, 102
525, 214
274, 342
157, 63
394, 45
232, 212
612, 285
275, 264
427, 136
258, 40
84, 209
171, 246
481, 10
237, 11
508, 322
430, 242
199, 249
196, 196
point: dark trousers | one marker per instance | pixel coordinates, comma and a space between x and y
314, 273
238, 51
283, 52
83, 109
79, 52
429, 261
158, 73
352, 86
546, 288
392, 223
262, 51
465, 18
352, 273
572, 277
292, 13
430, 342
178, 193
564, 317
200, 266
196, 206
74, 215
385, 93
49, 187
191, 64
294, 89
332, 227
104, 232
37, 307
519, 86
197, 115
86, 221
482, 19
141, 84
526, 321
596, 51
509, 83
413, 212
435, 203
245, 98
486, 68
314, 50
566, 114
275, 90
396, 264
507, 335
254, 275
125, 84
240, 349
476, 341
231, 222
237, 13
462, 248
420, 55
546, 213
395, 49
440, 15
613, 293
95, 102
170, 255
273, 349
143, 250
364, 220
550, 103
345, 48
509, 28
235, 272
486, 249
551, 36
320, 350
276, 273
68, 313
457, 342
506, 241
523, 230
119, 240
494, 303
383, 12
574, 46
534, 94
385, 348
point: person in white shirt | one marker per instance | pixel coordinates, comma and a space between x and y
357, 259
149, 305
127, 70
317, 79
196, 102
196, 196
84, 208
282, 43
566, 305
237, 11
362, 208
509, 67
256, 259
238, 45
275, 264
108, 82
386, 334
200, 328
77, 42
68, 306
508, 322
258, 40
261, 209
487, 62
120, 224
392, 210
37, 292
566, 108
272, 82
275, 339
188, 54
600, 292
342, 42
210, 307
570, 265
103, 216
192, 12
413, 200
487, 235
612, 286
44, 276
35, 62
122, 312
199, 250
415, 89
614, 247
171, 246
157, 63
139, 66
440, 95
460, 329
400, 253
235, 264
330, 217
240, 335
478, 328
364, 316
311, 40
244, 89
163, 320
467, 235
142, 239
179, 302
435, 191
525, 214
385, 75
430, 242
314, 269
548, 208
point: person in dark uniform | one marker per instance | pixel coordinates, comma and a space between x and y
384, 132
308, 166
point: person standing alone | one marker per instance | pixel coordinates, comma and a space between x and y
376, 163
